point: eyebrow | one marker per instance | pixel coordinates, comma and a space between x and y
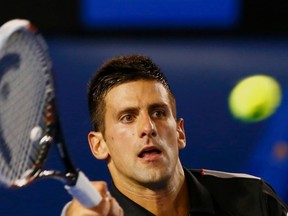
158, 105
126, 110
136, 109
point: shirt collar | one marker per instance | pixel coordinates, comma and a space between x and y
129, 206
200, 198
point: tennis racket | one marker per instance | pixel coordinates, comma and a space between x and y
28, 117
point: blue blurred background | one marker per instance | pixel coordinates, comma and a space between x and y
205, 47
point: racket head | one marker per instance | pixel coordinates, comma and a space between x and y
26, 98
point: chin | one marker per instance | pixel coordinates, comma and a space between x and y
154, 180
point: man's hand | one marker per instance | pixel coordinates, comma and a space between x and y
107, 207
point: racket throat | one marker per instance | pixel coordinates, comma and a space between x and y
33, 174
67, 178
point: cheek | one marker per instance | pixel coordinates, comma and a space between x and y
123, 132
171, 136
168, 129
120, 139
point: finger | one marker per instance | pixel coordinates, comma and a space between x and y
102, 187
115, 209
75, 208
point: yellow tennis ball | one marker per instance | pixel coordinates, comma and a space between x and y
255, 98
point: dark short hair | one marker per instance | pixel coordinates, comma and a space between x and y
117, 71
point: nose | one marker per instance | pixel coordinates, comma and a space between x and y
147, 127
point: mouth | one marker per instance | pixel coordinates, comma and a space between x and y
149, 152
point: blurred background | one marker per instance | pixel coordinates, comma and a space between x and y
205, 47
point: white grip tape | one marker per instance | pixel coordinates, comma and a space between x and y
84, 191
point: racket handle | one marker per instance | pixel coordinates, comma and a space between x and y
84, 191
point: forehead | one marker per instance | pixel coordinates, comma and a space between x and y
141, 91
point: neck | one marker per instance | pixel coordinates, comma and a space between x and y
171, 199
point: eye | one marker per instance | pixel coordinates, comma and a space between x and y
127, 118
159, 114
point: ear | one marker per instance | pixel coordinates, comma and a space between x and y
181, 134
98, 145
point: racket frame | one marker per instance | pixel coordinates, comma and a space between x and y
76, 183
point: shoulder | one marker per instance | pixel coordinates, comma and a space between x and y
237, 191
224, 175
216, 180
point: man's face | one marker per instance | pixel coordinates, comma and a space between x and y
141, 135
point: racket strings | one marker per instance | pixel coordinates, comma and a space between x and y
24, 86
